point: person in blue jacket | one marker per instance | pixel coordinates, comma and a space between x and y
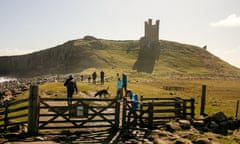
119, 89
133, 99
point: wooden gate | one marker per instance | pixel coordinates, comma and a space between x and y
90, 113
157, 111
82, 113
14, 114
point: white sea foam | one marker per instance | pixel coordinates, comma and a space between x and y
4, 79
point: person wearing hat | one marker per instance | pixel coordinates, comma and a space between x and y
71, 86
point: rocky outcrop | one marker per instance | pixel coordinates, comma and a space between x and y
214, 129
218, 122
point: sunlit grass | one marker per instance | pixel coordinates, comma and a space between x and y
221, 95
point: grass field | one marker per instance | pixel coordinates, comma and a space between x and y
221, 94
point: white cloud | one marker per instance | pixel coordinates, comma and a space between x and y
231, 21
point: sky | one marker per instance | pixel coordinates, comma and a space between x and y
27, 26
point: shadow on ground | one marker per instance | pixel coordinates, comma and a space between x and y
148, 55
65, 137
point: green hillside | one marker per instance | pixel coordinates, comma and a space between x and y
175, 59
188, 60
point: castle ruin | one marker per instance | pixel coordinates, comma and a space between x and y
149, 48
151, 31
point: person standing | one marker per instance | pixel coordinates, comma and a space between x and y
71, 86
124, 83
133, 99
89, 79
119, 89
81, 77
102, 77
94, 77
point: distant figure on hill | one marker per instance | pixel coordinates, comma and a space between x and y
71, 86
94, 77
102, 77
81, 77
89, 79
124, 83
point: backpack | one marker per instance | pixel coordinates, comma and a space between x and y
135, 99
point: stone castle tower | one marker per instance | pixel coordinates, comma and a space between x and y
151, 31
149, 48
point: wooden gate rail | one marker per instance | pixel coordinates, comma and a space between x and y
155, 111
97, 115
14, 113
179, 107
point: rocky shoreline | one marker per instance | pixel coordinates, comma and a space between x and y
11, 87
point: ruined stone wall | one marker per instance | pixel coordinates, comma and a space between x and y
151, 31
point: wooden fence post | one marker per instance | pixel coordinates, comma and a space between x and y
184, 115
124, 113
141, 101
237, 109
192, 108
150, 115
203, 100
177, 108
117, 114
33, 111
6, 115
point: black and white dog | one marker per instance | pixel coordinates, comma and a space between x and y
102, 92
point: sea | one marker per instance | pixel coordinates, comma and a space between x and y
4, 79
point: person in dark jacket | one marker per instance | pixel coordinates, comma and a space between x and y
124, 83
102, 77
94, 77
71, 87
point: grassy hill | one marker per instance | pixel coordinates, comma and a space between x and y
178, 64
190, 60
175, 59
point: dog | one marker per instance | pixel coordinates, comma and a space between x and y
103, 92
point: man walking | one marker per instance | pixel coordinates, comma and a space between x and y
71, 86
